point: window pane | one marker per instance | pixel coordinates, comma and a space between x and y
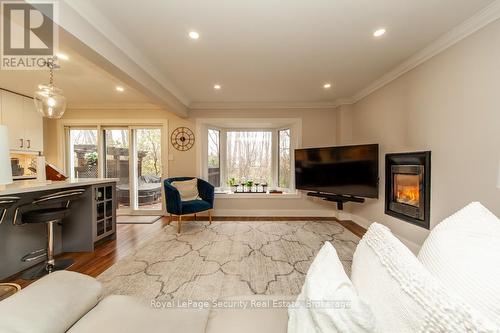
117, 162
214, 157
284, 170
249, 156
83, 147
149, 168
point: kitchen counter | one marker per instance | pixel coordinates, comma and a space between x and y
27, 186
92, 218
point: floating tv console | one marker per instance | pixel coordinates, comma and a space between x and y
339, 199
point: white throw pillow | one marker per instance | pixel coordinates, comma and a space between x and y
402, 294
328, 301
463, 252
188, 189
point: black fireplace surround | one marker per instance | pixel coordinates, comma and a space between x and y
408, 187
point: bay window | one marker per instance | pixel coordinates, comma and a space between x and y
249, 156
284, 158
214, 157
237, 154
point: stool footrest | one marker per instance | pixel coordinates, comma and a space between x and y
34, 255
43, 269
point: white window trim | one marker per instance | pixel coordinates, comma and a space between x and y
257, 124
100, 124
292, 156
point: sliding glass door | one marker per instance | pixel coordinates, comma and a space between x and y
83, 152
117, 153
148, 193
131, 154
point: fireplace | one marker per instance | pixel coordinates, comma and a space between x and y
407, 187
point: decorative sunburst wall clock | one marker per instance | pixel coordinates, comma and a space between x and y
182, 138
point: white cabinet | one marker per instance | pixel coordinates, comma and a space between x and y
24, 123
33, 127
12, 117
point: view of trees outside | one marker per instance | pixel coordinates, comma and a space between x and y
149, 146
284, 162
214, 157
85, 160
148, 149
249, 156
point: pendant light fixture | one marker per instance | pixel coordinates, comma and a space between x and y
49, 100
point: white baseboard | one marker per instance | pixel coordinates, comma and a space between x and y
341, 215
275, 212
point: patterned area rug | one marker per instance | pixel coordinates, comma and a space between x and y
226, 259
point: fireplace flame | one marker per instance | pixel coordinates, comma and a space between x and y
408, 194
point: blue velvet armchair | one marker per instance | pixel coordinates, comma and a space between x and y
175, 206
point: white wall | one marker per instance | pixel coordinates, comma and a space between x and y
451, 106
318, 129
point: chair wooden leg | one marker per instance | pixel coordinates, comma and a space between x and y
169, 219
210, 217
195, 217
179, 224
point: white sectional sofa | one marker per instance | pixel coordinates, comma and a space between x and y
452, 286
71, 302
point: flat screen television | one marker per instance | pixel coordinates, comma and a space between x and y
346, 170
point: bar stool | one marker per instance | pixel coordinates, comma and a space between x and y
49, 216
5, 204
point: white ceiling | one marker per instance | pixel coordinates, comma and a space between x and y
271, 50
82, 82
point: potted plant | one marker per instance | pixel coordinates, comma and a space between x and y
232, 184
249, 185
91, 158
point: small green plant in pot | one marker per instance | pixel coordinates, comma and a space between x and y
232, 184
249, 185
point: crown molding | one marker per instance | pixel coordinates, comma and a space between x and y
142, 107
344, 101
463, 30
261, 105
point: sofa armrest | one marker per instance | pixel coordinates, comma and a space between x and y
50, 305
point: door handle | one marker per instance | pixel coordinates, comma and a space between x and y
29, 143
22, 143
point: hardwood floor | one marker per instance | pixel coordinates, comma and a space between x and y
130, 236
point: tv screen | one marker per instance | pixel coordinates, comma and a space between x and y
347, 170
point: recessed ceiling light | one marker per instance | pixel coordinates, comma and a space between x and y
120, 89
379, 32
327, 85
217, 86
62, 56
194, 35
